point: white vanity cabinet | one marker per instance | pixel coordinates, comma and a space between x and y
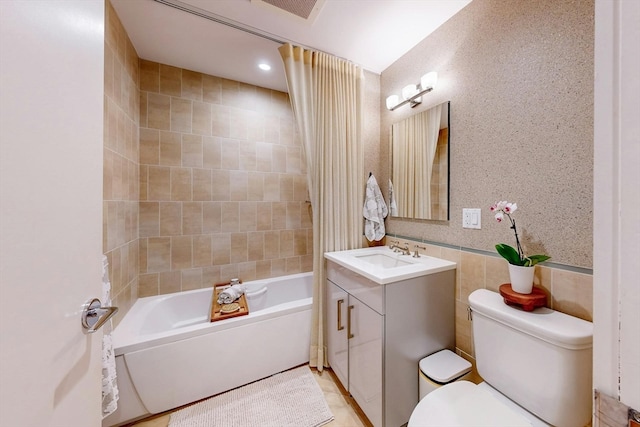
377, 334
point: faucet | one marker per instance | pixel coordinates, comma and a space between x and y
416, 254
405, 250
394, 244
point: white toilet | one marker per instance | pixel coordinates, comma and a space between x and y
536, 366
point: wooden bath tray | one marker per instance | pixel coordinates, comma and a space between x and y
217, 314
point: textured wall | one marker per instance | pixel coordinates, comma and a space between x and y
120, 180
222, 182
519, 75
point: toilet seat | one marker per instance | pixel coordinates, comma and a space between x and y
463, 403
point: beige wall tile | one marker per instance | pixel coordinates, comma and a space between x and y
287, 131
212, 153
286, 243
220, 185
169, 282
300, 242
159, 183
230, 154
255, 246
279, 215
181, 252
300, 192
263, 269
294, 158
148, 285
255, 186
239, 249
211, 217
202, 184
263, 156
158, 111
181, 184
306, 263
170, 149
211, 89
170, 80
238, 185
286, 187
142, 255
228, 272
572, 293
192, 218
158, 254
191, 279
278, 267
149, 219
263, 214
170, 218
271, 187
247, 220
278, 158
149, 76
192, 154
149, 146
497, 272
271, 244
230, 216
219, 121
210, 276
272, 129
293, 265
202, 251
180, 115
221, 249
247, 156
472, 274
201, 118
293, 220
191, 85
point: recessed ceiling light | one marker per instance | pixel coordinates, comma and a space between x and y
265, 67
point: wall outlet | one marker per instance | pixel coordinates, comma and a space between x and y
472, 218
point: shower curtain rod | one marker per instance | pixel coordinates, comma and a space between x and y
221, 20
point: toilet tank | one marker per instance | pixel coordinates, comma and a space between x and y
540, 359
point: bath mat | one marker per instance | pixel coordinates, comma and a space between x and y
291, 398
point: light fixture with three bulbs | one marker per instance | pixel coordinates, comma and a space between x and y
412, 94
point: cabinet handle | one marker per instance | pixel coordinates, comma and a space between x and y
349, 334
340, 326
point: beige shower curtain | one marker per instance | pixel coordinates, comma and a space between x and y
327, 98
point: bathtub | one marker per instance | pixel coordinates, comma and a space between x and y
169, 354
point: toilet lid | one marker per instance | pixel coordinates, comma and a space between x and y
463, 403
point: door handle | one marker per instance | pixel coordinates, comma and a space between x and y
340, 325
94, 315
349, 334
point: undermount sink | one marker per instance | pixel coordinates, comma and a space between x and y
382, 265
383, 260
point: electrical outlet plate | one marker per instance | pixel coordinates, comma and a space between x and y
472, 218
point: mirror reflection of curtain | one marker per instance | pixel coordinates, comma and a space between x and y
414, 142
327, 98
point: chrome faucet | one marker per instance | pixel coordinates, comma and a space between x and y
416, 254
405, 250
394, 244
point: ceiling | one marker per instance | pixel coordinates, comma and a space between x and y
370, 33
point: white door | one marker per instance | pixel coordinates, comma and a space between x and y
51, 133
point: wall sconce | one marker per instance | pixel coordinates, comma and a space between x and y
412, 94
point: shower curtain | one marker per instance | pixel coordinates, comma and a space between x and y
327, 98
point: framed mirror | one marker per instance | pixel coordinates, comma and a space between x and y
419, 177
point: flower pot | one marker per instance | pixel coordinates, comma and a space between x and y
521, 278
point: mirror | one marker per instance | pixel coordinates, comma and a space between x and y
419, 187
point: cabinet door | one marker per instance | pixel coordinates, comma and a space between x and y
365, 358
338, 352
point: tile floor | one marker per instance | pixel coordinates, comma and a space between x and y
344, 413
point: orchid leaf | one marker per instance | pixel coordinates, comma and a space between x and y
509, 253
534, 259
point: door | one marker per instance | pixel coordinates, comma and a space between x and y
337, 333
51, 137
365, 358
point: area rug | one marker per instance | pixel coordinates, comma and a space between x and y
292, 398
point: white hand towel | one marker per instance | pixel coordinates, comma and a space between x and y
374, 211
231, 294
393, 206
109, 383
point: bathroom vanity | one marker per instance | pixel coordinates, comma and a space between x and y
386, 311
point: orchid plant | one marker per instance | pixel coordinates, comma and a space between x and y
514, 256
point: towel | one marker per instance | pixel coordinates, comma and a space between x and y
374, 211
231, 294
109, 383
393, 206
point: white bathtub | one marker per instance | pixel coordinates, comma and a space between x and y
169, 354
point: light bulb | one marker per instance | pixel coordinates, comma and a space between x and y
408, 91
429, 80
392, 101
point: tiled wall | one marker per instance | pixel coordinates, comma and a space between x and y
222, 182
567, 291
120, 186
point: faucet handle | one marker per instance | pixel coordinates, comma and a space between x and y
416, 247
393, 243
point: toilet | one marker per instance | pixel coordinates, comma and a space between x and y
536, 367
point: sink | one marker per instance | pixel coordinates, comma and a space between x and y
382, 265
383, 260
